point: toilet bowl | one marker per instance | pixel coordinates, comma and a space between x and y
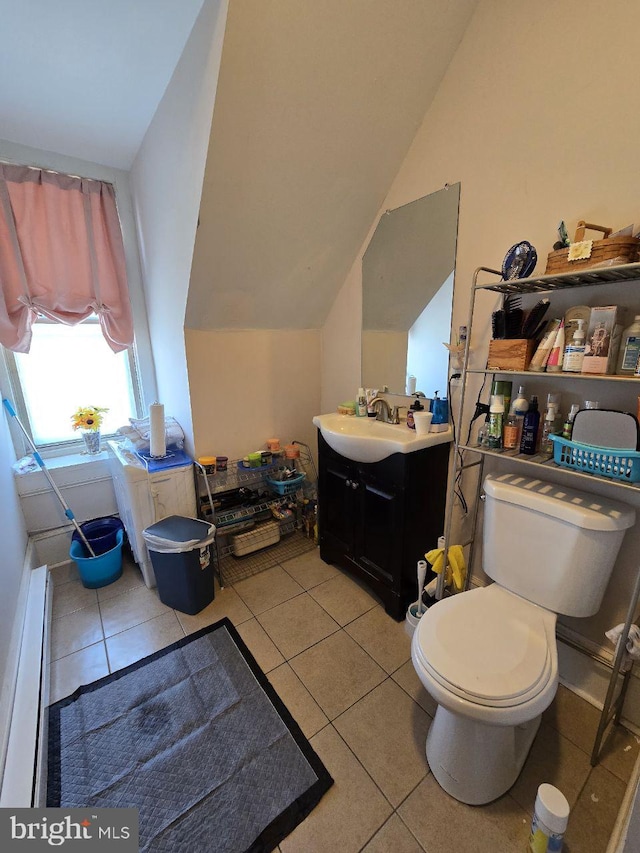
493, 669
488, 656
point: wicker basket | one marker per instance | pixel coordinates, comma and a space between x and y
610, 251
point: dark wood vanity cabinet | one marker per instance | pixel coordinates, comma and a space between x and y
378, 519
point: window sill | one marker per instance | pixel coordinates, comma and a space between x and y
69, 469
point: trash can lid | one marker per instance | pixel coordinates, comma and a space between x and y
179, 528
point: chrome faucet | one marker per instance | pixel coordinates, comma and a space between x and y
383, 411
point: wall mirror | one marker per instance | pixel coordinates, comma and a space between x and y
407, 294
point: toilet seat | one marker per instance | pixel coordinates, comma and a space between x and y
488, 647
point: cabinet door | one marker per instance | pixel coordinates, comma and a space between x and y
337, 517
378, 529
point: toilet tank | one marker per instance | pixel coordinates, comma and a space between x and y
553, 546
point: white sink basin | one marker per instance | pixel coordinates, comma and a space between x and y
369, 440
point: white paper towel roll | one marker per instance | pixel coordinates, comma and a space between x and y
157, 442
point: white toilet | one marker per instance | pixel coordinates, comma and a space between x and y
488, 656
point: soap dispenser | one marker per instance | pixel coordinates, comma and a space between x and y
574, 352
440, 409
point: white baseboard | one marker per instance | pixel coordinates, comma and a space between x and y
25, 746
590, 679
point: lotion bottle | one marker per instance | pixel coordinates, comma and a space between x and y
574, 352
361, 409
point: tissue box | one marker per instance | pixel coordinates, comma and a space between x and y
603, 340
510, 354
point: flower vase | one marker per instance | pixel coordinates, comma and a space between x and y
91, 441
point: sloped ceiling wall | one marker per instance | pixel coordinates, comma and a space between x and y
317, 105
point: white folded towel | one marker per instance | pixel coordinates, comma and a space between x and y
633, 640
139, 432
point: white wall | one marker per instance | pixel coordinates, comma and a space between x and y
524, 128
13, 536
248, 386
12, 526
166, 180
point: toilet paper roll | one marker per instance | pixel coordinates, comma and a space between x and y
158, 446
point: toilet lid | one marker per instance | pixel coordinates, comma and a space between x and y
489, 646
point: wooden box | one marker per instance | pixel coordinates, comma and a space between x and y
510, 354
611, 251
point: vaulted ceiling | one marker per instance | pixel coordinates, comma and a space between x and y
84, 77
317, 105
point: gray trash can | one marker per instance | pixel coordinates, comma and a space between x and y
181, 560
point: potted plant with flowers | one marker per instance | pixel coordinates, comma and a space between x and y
89, 420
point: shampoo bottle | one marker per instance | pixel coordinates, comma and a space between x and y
518, 410
496, 416
511, 432
530, 427
629, 349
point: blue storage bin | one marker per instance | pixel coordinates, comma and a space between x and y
616, 464
102, 569
285, 487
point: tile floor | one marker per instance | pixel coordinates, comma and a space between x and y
343, 668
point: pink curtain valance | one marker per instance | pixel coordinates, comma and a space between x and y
61, 255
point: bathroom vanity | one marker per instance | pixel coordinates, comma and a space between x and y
378, 518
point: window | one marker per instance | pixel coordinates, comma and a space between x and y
65, 313
68, 367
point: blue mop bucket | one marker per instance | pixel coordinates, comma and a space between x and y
102, 569
100, 533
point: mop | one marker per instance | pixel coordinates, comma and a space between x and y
67, 511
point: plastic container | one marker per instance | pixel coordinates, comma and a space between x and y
221, 463
255, 460
623, 465
550, 818
285, 487
208, 463
181, 559
102, 569
100, 533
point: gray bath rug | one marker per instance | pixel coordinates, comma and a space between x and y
197, 740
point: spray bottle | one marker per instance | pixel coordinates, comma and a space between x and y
530, 428
567, 429
550, 818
